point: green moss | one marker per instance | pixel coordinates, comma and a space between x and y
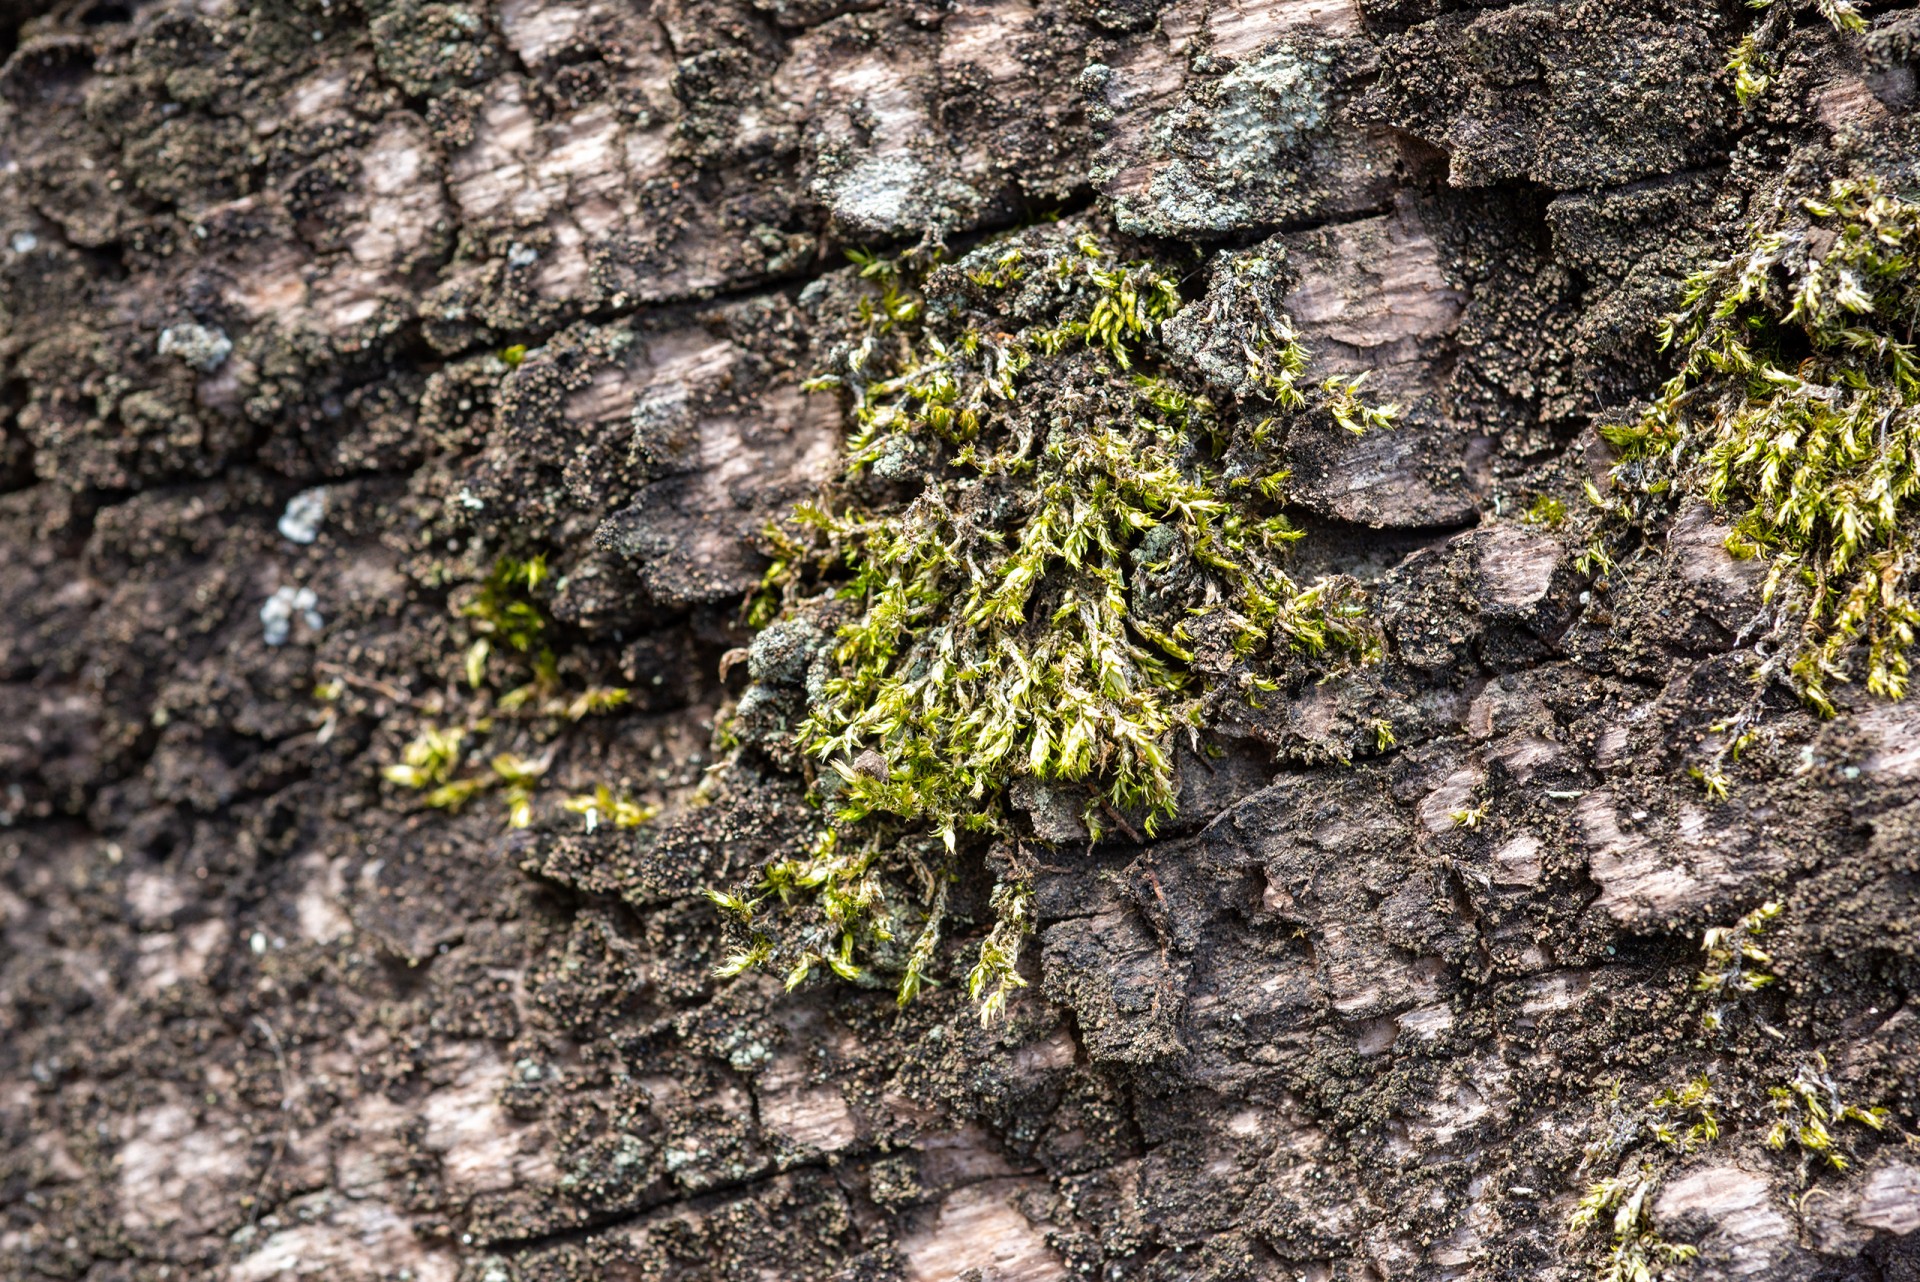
1686, 1116
1840, 14
431, 759
512, 645
1754, 61
510, 622
1091, 547
1622, 1209
605, 806
505, 612
1807, 1115
1548, 511
1797, 410
1736, 963
1470, 817
1810, 1112
1751, 77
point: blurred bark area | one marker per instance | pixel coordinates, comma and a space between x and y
490, 275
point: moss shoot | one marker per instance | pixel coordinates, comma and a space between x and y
1049, 547
1622, 1208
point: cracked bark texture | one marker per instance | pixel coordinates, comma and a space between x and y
261, 1018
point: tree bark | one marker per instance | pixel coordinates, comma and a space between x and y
310, 310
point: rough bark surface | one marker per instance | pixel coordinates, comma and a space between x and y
261, 1016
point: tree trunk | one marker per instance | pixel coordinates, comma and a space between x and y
313, 310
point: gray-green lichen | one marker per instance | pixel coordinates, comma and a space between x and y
1233, 141
1246, 144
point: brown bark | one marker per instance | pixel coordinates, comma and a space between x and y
263, 1016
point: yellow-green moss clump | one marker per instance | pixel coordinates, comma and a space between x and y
1795, 410
513, 672
1050, 545
1623, 1208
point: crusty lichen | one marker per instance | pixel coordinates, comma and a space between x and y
1090, 546
1797, 409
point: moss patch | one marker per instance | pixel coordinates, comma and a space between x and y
1795, 410
1050, 546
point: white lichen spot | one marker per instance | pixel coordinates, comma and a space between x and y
1272, 102
300, 523
201, 346
278, 612
25, 242
881, 194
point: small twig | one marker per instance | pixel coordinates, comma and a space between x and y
1153, 880
286, 1102
351, 678
1158, 920
1121, 820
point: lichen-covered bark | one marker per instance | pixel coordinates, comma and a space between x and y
262, 1016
